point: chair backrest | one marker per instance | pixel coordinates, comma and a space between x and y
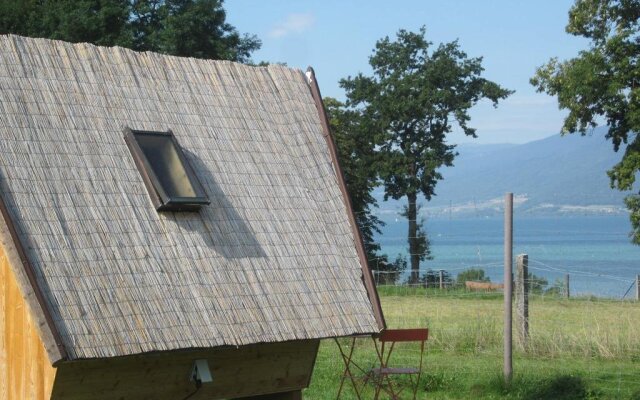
404, 335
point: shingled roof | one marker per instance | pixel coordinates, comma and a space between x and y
272, 258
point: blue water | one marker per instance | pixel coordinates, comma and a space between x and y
594, 250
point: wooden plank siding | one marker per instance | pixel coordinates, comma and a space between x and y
25, 371
237, 372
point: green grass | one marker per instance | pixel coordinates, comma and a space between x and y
579, 349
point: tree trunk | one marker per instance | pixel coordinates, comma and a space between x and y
414, 247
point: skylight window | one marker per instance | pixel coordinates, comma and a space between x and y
170, 180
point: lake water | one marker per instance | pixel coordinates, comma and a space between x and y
594, 250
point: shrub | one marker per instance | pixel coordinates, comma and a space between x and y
431, 278
537, 284
388, 273
472, 274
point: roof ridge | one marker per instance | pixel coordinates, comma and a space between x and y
89, 45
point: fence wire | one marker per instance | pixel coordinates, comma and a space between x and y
581, 335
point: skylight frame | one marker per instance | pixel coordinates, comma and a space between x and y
157, 192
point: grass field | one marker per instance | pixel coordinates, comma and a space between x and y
579, 348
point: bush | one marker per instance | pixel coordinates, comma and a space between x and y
431, 278
557, 289
537, 284
388, 273
472, 274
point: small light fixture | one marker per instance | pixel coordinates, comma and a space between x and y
200, 372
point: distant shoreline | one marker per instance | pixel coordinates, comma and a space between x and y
563, 212
595, 249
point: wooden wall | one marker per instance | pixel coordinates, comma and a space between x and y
246, 371
25, 371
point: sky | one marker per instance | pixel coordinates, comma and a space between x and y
336, 38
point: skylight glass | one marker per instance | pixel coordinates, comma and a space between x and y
172, 183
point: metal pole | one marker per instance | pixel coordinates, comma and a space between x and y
508, 286
441, 279
567, 294
637, 287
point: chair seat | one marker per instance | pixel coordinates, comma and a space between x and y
395, 371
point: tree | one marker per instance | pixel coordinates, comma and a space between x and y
537, 284
355, 152
421, 243
431, 278
194, 28
388, 273
16, 16
557, 288
102, 22
603, 82
410, 103
147, 17
472, 274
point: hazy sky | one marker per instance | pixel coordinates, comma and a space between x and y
337, 37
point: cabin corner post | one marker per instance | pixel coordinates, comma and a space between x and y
362, 255
34, 298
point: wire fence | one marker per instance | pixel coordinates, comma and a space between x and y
545, 280
583, 309
581, 334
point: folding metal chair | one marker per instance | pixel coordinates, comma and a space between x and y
382, 376
352, 372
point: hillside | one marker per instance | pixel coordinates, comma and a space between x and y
555, 175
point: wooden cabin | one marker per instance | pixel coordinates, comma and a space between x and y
170, 227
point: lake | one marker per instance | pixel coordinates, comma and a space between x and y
594, 250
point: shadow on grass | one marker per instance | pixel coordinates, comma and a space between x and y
559, 388
563, 387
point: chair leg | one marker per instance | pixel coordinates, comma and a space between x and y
378, 379
415, 389
378, 383
347, 372
392, 392
344, 373
415, 386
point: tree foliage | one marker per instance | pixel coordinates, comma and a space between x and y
431, 278
103, 22
603, 82
410, 102
355, 152
194, 28
557, 288
537, 284
472, 274
389, 273
421, 242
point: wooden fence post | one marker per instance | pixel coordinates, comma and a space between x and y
441, 279
567, 294
522, 299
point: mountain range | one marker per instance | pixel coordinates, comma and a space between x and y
556, 175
